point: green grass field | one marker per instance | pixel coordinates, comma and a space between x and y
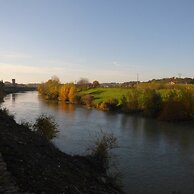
103, 94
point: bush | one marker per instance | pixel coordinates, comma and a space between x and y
26, 124
87, 100
102, 146
130, 103
178, 106
110, 105
152, 103
46, 126
4, 113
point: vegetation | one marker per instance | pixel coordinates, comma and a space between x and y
4, 113
54, 90
26, 153
104, 143
1, 90
46, 126
160, 99
67, 92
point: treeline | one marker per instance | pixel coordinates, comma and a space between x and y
162, 101
176, 80
54, 90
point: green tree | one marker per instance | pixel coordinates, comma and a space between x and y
95, 84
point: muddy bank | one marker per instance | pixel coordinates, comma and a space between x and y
38, 167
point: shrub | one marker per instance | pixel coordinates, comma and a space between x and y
110, 105
130, 103
46, 126
26, 124
178, 106
4, 113
152, 103
103, 145
87, 100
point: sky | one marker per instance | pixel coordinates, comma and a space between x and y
104, 40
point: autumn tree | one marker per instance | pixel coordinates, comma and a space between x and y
50, 89
63, 92
72, 94
67, 92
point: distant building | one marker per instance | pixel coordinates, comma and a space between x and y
109, 85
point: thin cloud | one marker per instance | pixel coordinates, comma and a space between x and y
15, 56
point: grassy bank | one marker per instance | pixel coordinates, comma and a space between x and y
39, 167
100, 95
167, 103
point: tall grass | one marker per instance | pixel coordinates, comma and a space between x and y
102, 146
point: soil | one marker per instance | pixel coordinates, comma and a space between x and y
38, 167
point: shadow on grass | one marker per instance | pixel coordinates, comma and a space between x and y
97, 92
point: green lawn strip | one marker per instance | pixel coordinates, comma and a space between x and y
104, 94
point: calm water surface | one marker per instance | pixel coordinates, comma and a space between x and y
153, 157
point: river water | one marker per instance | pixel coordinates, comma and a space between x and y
153, 157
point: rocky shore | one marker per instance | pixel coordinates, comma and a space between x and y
33, 164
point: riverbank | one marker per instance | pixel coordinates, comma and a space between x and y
39, 167
169, 103
15, 89
164, 102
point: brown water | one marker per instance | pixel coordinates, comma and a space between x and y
153, 157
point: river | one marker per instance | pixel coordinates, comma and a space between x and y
153, 157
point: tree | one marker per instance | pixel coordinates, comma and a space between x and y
63, 92
50, 89
83, 82
72, 94
67, 92
95, 84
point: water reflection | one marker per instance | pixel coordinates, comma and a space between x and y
13, 97
66, 107
178, 135
57, 106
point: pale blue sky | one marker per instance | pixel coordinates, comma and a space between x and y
107, 40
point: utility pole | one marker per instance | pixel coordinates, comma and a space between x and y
137, 78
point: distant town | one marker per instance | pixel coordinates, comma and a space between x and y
13, 86
171, 81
